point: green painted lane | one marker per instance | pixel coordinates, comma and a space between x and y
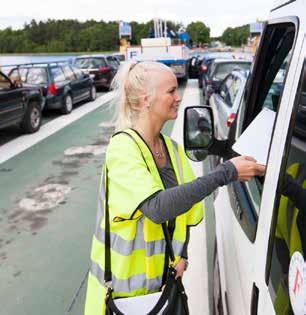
48, 202
44, 254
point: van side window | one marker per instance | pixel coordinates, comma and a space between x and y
264, 90
289, 225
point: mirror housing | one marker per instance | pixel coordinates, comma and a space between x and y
199, 140
198, 131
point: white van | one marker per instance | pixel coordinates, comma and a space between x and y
261, 225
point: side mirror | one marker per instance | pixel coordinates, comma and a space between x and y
198, 132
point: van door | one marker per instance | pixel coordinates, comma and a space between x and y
287, 234
239, 207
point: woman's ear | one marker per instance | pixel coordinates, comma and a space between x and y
144, 101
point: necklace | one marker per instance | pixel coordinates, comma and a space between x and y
158, 153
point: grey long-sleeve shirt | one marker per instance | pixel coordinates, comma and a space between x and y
175, 200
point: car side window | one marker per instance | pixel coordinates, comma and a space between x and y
273, 63
5, 84
58, 74
36, 76
69, 75
289, 225
98, 62
82, 63
18, 75
233, 90
112, 62
228, 98
78, 73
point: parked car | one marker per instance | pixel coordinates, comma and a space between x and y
260, 227
225, 102
218, 70
204, 64
195, 58
102, 67
62, 84
19, 105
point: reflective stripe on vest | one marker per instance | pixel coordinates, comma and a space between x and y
126, 247
127, 285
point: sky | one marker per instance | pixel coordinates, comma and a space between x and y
216, 14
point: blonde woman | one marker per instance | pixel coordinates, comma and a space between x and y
149, 181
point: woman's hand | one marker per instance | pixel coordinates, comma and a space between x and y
180, 268
247, 168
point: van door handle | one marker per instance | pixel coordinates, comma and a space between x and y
254, 300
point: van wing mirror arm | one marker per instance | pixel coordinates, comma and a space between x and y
220, 148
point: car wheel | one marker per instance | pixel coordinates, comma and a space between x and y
32, 119
67, 104
92, 93
218, 305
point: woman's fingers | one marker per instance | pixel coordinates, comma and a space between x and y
247, 167
261, 169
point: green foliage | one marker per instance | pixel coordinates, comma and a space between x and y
199, 32
62, 36
236, 36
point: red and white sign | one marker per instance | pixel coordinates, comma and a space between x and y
297, 283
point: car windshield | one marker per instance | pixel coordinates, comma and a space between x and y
223, 69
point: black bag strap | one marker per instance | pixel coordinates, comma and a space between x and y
107, 266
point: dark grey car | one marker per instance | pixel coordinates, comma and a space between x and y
62, 85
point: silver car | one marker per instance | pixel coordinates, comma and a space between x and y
225, 102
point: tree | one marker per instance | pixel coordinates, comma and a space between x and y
198, 32
236, 36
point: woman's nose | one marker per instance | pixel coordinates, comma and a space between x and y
178, 97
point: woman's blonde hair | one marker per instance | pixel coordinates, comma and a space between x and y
131, 81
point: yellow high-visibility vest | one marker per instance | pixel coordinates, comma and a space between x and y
137, 244
286, 227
